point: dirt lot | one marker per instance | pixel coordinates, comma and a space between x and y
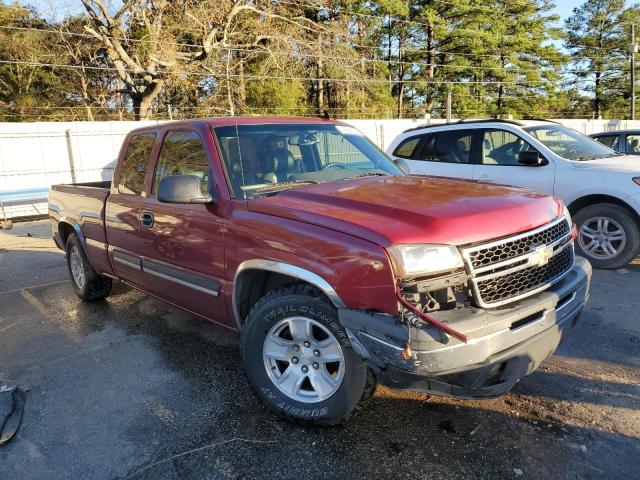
134, 388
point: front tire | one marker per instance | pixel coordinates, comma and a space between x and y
608, 235
87, 283
298, 359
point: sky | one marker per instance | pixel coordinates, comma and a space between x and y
565, 7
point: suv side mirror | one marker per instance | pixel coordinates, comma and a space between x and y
532, 158
182, 189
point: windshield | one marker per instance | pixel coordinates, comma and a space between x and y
569, 144
266, 159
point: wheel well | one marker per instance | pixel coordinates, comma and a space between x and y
65, 229
252, 285
580, 203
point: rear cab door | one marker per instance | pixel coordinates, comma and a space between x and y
498, 161
183, 244
124, 205
443, 153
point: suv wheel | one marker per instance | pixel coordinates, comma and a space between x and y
608, 235
299, 360
87, 283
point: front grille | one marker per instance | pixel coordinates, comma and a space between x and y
513, 248
523, 281
508, 269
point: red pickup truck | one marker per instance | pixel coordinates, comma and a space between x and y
339, 270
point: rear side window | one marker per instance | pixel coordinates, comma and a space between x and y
134, 163
407, 147
449, 147
182, 153
611, 141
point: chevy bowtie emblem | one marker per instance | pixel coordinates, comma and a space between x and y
541, 255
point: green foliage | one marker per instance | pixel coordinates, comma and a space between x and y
352, 58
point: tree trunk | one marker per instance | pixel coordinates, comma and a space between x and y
320, 93
431, 70
232, 110
142, 101
500, 102
400, 77
598, 96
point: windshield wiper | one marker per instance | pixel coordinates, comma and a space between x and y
278, 187
368, 174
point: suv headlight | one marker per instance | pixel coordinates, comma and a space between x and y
426, 259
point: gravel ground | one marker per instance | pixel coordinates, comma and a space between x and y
134, 388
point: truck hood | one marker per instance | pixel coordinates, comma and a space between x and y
414, 209
623, 163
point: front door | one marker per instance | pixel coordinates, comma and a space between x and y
499, 164
184, 243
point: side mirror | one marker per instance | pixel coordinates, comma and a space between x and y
402, 165
182, 189
532, 158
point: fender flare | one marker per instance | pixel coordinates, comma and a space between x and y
76, 229
285, 269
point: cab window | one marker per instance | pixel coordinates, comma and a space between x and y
134, 163
453, 146
182, 153
500, 147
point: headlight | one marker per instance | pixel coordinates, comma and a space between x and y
636, 179
415, 260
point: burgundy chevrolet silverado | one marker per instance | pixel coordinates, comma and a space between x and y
339, 270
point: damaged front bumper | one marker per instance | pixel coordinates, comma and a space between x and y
504, 344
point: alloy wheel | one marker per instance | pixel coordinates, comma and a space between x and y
602, 237
77, 268
303, 359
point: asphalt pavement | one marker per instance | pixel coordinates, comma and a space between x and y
134, 388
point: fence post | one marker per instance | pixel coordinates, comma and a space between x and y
72, 164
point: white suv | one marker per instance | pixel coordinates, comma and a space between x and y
600, 186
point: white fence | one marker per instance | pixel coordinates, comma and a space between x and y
37, 155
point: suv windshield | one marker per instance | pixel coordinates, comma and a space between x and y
266, 159
569, 144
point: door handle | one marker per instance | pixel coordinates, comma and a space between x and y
146, 219
486, 178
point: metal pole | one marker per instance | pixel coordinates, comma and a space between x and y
449, 106
632, 67
72, 164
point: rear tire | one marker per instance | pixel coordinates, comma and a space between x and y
87, 283
608, 235
299, 361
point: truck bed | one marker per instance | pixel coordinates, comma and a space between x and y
86, 188
80, 204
